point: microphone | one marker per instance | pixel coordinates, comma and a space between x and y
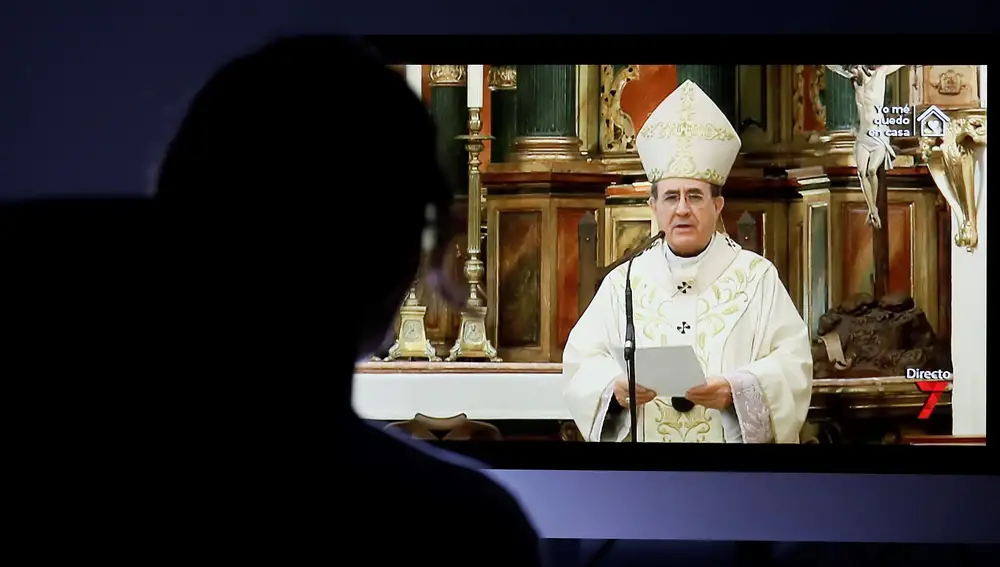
630, 338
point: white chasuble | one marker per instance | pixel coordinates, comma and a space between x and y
731, 307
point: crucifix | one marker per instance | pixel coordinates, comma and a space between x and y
874, 155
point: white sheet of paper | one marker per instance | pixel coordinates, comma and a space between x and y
670, 371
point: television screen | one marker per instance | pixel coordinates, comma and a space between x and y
735, 260
700, 243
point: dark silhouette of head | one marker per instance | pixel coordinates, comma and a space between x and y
304, 179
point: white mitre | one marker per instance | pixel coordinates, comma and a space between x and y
688, 137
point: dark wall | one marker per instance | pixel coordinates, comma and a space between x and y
90, 92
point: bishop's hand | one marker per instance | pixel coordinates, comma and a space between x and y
715, 393
642, 395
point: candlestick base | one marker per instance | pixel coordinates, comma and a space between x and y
412, 339
472, 342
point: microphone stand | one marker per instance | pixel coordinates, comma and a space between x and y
630, 341
630, 352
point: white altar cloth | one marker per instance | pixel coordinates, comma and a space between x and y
397, 396
529, 391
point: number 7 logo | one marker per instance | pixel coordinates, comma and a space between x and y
934, 388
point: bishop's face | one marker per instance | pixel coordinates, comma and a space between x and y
687, 213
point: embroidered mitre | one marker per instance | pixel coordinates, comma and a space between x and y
688, 137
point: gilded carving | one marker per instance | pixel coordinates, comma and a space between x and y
950, 83
927, 145
798, 99
617, 131
816, 86
447, 75
503, 78
945, 86
952, 165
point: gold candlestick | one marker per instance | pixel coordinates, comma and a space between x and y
472, 342
411, 337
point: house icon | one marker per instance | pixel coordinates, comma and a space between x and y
932, 122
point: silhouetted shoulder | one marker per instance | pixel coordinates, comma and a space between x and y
451, 507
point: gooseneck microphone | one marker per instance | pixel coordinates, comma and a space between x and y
630, 339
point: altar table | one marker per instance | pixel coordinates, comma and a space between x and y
484, 391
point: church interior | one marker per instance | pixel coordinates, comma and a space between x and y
551, 195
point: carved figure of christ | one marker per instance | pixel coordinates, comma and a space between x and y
872, 152
873, 155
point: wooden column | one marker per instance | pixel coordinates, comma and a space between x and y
448, 106
717, 81
838, 99
546, 113
503, 96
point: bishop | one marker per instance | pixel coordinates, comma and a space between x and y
695, 287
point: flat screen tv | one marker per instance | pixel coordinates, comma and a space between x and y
819, 352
